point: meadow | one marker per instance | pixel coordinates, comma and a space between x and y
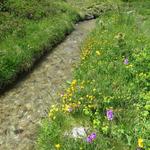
108, 100
109, 96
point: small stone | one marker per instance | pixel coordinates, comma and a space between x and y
89, 17
78, 132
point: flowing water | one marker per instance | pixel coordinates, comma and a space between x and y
26, 103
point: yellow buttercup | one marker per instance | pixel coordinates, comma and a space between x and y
140, 142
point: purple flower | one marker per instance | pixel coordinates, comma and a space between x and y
91, 137
88, 139
110, 114
126, 61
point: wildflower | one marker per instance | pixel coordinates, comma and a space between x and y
110, 114
89, 140
91, 97
91, 137
82, 87
52, 111
57, 146
126, 61
74, 82
94, 90
67, 108
140, 143
81, 98
98, 53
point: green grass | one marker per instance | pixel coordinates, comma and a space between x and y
27, 30
103, 81
93, 7
142, 8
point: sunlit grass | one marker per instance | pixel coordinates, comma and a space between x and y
113, 77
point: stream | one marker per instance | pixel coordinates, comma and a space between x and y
24, 105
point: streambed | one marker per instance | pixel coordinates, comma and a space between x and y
25, 104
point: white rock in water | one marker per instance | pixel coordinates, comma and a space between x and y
78, 132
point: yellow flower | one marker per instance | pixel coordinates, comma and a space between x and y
81, 98
98, 53
67, 108
57, 146
94, 90
130, 65
140, 142
91, 97
74, 82
82, 87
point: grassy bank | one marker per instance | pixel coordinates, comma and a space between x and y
27, 30
93, 8
109, 96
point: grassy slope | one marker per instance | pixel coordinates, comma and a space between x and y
93, 7
103, 81
28, 29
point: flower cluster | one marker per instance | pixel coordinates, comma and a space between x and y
109, 84
91, 137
